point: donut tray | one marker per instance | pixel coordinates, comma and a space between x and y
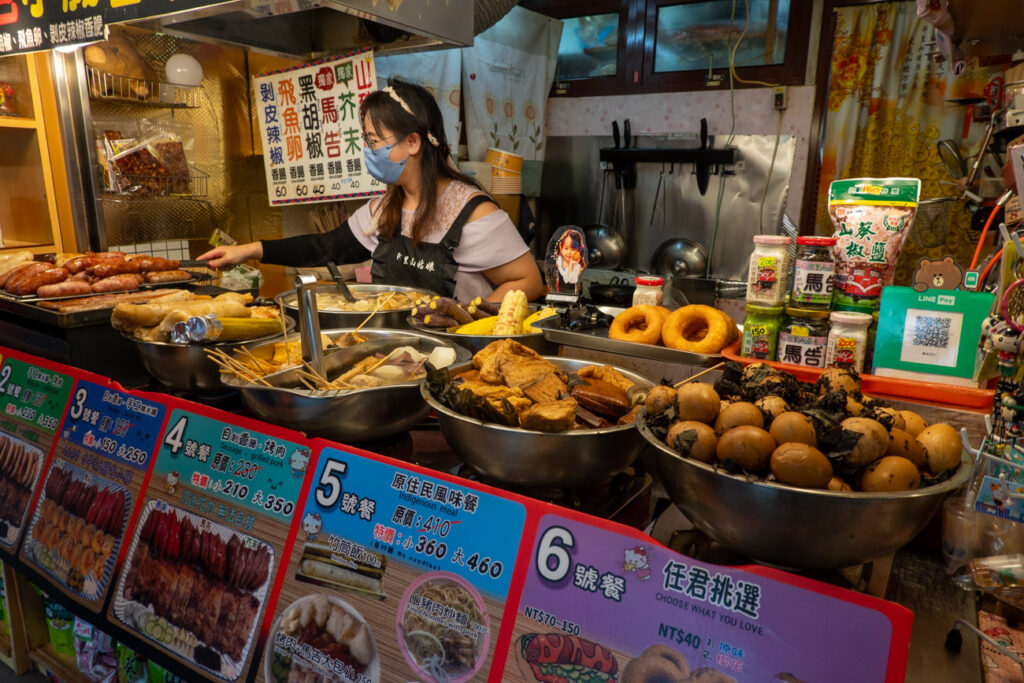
596, 339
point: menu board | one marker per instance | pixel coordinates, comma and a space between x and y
398, 575
95, 479
214, 526
32, 402
585, 584
312, 137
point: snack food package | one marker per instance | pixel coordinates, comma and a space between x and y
871, 217
241, 278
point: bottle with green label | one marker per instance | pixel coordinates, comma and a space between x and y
761, 331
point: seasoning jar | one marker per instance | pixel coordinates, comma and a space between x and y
648, 290
803, 337
768, 276
813, 271
761, 331
847, 340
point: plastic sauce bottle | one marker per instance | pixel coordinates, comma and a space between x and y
768, 275
848, 340
648, 290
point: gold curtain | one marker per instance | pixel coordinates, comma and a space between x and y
887, 109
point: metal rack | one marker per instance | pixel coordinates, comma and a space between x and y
104, 86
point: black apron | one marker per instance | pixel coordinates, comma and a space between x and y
398, 261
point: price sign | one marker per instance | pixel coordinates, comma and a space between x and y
584, 583
422, 565
213, 528
309, 124
32, 402
91, 489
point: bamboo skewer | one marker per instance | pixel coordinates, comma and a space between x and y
380, 305
699, 374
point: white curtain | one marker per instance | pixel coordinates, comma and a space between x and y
440, 72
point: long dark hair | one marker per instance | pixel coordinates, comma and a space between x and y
435, 161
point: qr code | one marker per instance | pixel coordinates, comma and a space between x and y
931, 332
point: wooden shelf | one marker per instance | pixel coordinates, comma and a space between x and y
18, 122
6, 655
60, 665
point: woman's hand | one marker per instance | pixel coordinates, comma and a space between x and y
521, 273
221, 257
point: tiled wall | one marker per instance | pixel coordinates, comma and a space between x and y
172, 249
681, 112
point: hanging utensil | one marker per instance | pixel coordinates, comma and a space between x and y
654, 204
701, 167
605, 247
332, 268
951, 158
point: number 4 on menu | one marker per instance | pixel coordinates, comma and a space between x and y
174, 434
328, 489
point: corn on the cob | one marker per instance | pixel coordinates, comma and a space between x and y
481, 326
513, 311
528, 327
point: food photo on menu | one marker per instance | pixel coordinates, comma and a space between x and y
194, 587
78, 523
19, 469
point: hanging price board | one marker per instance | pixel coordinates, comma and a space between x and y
585, 584
92, 487
418, 565
215, 523
32, 402
309, 124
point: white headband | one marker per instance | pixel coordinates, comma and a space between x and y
394, 95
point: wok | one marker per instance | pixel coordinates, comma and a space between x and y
794, 527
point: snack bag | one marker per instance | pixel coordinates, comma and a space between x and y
871, 217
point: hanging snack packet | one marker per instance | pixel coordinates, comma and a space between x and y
871, 217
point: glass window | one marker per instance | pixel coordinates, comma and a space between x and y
589, 47
695, 35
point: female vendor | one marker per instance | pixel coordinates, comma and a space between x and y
434, 229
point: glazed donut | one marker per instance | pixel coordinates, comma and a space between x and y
730, 325
641, 324
696, 328
656, 667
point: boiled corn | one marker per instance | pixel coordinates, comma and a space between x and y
513, 311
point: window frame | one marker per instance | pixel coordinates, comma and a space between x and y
635, 59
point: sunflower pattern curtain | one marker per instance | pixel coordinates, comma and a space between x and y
887, 110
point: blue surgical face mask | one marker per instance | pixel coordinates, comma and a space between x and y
380, 166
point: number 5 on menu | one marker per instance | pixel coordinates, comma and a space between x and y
328, 489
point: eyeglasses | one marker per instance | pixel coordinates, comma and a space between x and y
372, 141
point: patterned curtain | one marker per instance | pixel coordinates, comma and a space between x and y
887, 110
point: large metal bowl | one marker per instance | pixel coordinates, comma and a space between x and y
346, 416
524, 457
475, 342
186, 367
336, 319
793, 527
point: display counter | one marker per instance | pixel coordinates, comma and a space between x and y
276, 523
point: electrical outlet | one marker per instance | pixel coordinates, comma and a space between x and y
780, 97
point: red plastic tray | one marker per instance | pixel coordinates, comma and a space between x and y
890, 387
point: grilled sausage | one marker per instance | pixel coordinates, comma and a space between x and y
68, 287
109, 267
28, 284
116, 283
167, 276
23, 271
153, 263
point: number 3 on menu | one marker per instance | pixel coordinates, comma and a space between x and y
78, 407
328, 489
553, 561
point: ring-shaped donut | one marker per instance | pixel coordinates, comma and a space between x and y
641, 324
695, 328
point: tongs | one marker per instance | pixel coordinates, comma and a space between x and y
332, 268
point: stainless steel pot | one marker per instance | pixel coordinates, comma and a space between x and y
345, 416
794, 527
335, 319
475, 342
185, 367
524, 457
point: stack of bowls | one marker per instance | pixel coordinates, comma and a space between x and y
506, 171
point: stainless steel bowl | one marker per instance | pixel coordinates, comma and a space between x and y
346, 416
349, 319
185, 367
475, 342
794, 527
525, 457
